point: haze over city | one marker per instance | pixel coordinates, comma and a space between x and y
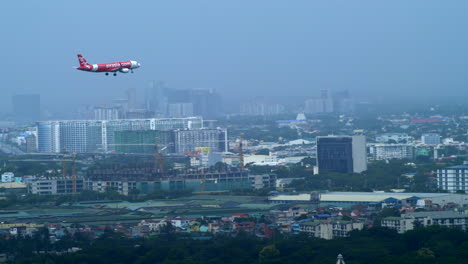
239, 48
234, 132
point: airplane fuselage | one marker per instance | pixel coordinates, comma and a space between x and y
121, 66
109, 67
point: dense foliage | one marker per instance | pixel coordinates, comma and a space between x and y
380, 175
377, 245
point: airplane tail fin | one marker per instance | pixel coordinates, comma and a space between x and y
82, 60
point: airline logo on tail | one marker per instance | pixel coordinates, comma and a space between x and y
114, 67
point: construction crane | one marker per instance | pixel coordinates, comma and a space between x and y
158, 159
74, 173
241, 153
64, 166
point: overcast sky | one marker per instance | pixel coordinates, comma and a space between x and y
238, 47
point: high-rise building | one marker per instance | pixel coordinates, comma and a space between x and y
96, 136
107, 113
211, 140
343, 154
131, 98
324, 104
206, 103
27, 108
48, 137
180, 110
453, 178
342, 102
144, 141
261, 109
430, 139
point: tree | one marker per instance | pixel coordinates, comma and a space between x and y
269, 255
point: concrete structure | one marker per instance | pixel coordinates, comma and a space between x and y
396, 137
261, 181
351, 198
329, 230
259, 160
190, 140
430, 139
54, 185
409, 221
391, 151
143, 141
343, 154
453, 178
123, 187
8, 177
98, 136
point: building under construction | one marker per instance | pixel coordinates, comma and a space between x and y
150, 180
56, 185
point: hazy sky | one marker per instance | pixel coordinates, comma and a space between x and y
237, 47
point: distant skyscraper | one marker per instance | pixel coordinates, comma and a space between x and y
156, 99
131, 98
27, 108
343, 154
206, 103
180, 110
107, 113
324, 104
342, 102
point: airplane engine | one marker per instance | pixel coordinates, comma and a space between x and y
124, 70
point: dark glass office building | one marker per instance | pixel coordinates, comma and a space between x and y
343, 154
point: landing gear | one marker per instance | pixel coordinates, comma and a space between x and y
131, 71
107, 73
115, 74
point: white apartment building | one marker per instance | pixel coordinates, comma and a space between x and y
329, 230
8, 177
98, 135
391, 151
397, 137
453, 178
409, 221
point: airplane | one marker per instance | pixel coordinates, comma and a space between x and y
121, 66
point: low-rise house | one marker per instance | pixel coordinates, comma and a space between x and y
329, 230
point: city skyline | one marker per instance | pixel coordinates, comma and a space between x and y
375, 50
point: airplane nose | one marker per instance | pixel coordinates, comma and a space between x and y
138, 64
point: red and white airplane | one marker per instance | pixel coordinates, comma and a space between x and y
121, 66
